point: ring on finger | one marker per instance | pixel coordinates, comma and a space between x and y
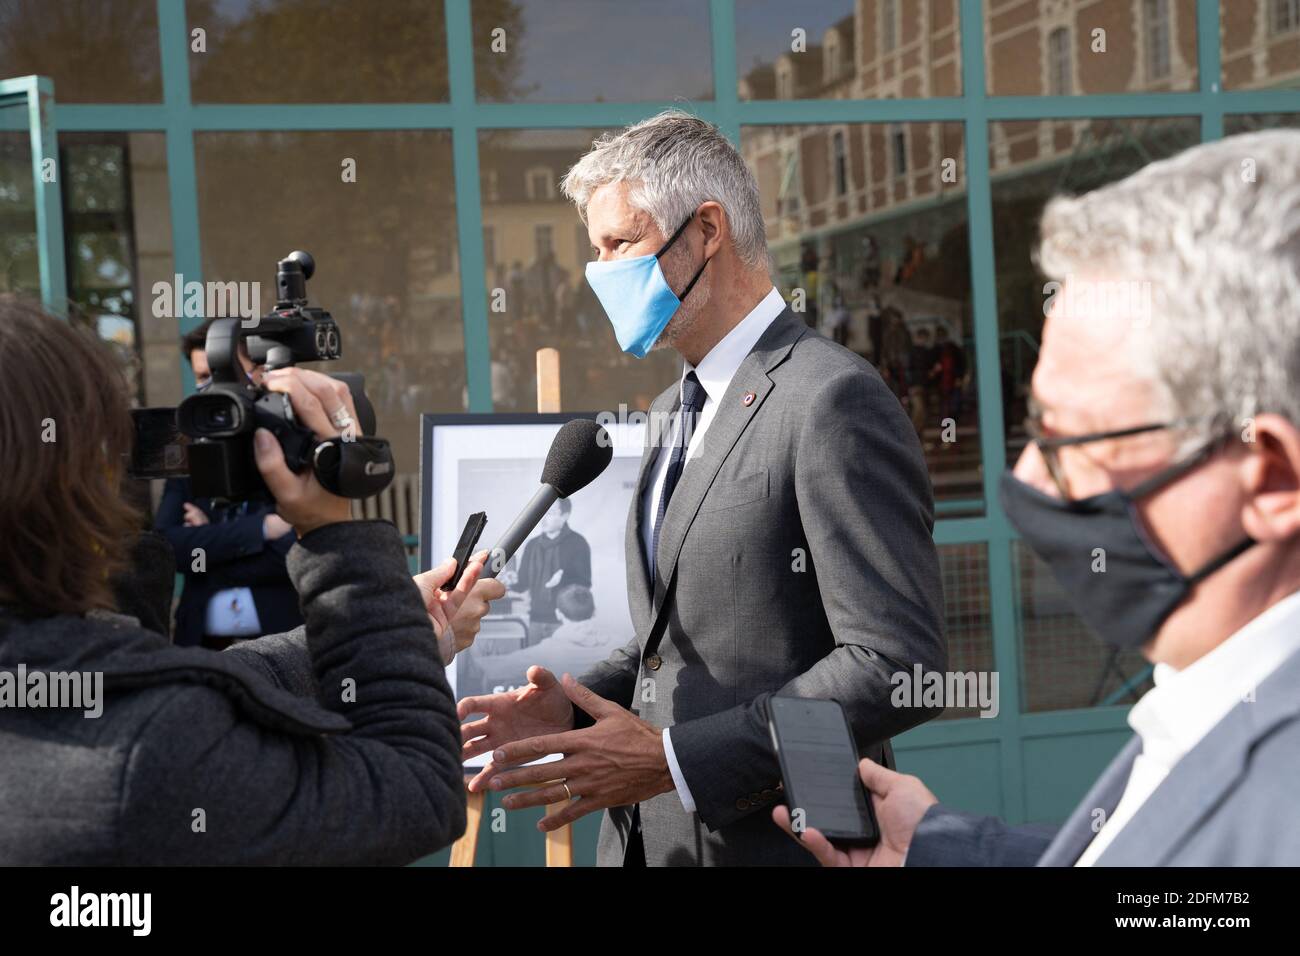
341, 418
567, 792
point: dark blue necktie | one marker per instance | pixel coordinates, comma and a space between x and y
693, 396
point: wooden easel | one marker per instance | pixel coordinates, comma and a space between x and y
559, 843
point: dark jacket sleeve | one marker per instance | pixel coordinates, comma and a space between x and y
220, 541
865, 503
265, 567
283, 659
950, 838
613, 678
388, 791
577, 564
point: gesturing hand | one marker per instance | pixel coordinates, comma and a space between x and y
618, 761
899, 801
541, 707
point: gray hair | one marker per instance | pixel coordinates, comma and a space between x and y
672, 162
1215, 231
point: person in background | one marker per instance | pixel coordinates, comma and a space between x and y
554, 558
920, 364
1165, 436
232, 554
949, 373
839, 320
578, 643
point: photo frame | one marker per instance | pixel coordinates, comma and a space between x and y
566, 603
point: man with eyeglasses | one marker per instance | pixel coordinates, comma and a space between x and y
1161, 486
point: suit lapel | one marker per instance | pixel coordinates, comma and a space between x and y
729, 422
1193, 786
1073, 838
638, 574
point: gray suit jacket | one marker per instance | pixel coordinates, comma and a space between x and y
796, 558
1231, 801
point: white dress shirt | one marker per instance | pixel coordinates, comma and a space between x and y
1184, 706
715, 372
232, 613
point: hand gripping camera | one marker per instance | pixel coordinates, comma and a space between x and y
220, 420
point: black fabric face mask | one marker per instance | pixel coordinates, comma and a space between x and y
1125, 604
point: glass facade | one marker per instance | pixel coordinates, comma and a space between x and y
903, 151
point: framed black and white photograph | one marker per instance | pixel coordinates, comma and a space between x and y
565, 606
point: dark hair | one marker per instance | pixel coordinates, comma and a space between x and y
65, 431
575, 603
196, 339
566, 506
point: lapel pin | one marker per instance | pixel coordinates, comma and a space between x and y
748, 399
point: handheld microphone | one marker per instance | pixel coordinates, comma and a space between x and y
582, 449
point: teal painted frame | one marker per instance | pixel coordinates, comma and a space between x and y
464, 117
34, 96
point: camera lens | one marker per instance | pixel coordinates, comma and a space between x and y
209, 415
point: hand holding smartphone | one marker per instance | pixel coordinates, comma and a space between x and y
819, 766
465, 546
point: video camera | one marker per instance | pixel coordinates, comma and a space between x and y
209, 436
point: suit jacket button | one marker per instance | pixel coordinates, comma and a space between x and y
742, 804
653, 662
768, 795
755, 798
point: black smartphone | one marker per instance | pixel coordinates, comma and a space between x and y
465, 546
819, 765
159, 450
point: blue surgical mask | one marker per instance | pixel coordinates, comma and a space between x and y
636, 296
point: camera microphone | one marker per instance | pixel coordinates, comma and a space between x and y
581, 450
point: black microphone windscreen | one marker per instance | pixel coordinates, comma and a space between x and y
582, 449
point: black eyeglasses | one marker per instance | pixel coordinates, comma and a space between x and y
1049, 447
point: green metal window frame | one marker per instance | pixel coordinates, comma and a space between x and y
33, 96
464, 117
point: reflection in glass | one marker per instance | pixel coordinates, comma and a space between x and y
20, 265
1251, 122
591, 51
536, 252
967, 617
1260, 44
95, 52
117, 235
117, 229
835, 49
1104, 46
384, 244
1031, 161
1064, 664
319, 51
867, 229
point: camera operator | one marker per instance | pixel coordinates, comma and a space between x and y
336, 743
241, 588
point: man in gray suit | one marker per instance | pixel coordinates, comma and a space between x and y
1162, 488
779, 541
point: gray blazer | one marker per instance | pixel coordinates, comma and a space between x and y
796, 558
1231, 801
